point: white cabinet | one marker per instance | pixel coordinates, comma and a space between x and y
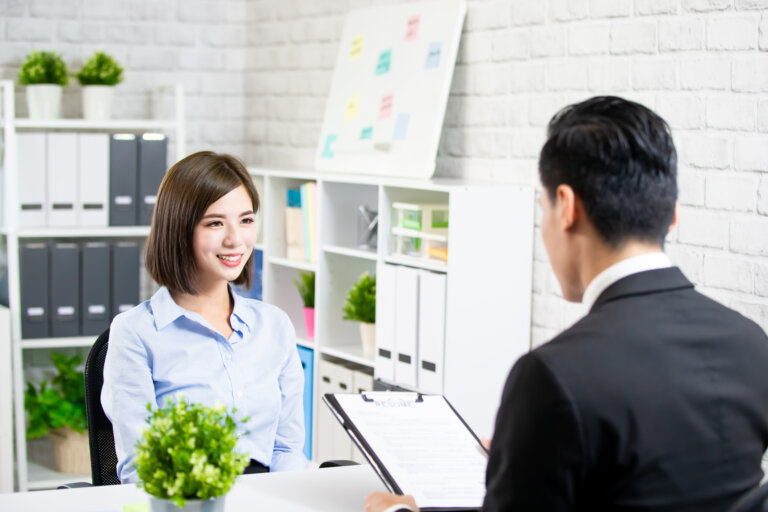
486, 282
16, 231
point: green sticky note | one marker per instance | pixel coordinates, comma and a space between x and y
366, 133
385, 59
142, 506
327, 151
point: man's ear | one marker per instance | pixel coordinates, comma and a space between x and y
568, 205
674, 217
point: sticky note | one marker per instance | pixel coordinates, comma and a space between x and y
385, 58
366, 133
353, 107
385, 110
433, 55
356, 49
327, 152
412, 28
401, 126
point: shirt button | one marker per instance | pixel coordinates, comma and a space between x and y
239, 394
229, 357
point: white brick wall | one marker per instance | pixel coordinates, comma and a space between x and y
257, 73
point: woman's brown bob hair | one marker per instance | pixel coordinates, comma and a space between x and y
186, 192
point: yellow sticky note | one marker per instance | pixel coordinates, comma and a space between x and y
142, 506
356, 50
353, 107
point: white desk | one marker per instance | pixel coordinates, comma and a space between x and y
315, 490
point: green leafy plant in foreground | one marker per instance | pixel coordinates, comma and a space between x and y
187, 452
361, 300
41, 67
59, 403
306, 287
100, 69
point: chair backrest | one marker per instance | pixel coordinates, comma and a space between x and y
100, 436
755, 500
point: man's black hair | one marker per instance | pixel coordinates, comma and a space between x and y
619, 159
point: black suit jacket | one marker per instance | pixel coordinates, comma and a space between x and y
656, 400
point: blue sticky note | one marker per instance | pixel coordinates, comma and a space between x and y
366, 133
401, 126
385, 58
327, 152
433, 55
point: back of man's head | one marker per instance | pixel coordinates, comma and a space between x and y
619, 159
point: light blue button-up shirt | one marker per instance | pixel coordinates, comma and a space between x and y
157, 350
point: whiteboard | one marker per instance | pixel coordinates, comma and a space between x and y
390, 86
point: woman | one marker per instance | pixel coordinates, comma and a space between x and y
195, 335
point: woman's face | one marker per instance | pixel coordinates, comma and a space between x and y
223, 240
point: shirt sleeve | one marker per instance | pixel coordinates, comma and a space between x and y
289, 439
537, 456
128, 388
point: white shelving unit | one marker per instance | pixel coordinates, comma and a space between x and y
489, 272
30, 475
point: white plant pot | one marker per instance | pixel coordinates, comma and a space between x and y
97, 102
368, 335
44, 101
212, 505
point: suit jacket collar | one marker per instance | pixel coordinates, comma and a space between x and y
643, 283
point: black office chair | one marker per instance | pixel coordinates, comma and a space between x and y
100, 436
755, 500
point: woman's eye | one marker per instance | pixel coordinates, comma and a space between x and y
248, 220
214, 224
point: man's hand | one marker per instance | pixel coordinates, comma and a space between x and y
380, 501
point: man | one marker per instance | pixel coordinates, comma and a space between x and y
658, 398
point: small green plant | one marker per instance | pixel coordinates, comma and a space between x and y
306, 287
187, 452
41, 67
100, 69
60, 403
361, 300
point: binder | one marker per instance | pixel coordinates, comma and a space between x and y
153, 156
406, 325
332, 441
306, 356
34, 273
65, 289
361, 382
125, 276
417, 444
93, 182
386, 289
32, 161
95, 313
61, 174
432, 288
294, 226
123, 179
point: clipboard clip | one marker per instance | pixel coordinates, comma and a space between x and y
386, 396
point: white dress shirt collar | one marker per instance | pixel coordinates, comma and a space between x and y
620, 270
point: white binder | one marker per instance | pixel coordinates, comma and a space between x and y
32, 204
93, 151
386, 288
61, 171
406, 326
332, 441
432, 287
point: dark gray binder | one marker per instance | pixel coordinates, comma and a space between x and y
125, 276
153, 155
65, 289
34, 272
123, 179
95, 312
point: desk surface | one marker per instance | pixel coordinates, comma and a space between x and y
316, 490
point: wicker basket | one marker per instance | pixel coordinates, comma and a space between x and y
71, 453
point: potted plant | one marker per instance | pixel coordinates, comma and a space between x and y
306, 287
45, 74
188, 453
58, 408
99, 76
361, 307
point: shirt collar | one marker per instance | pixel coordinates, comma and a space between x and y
165, 310
620, 270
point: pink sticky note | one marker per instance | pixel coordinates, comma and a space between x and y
412, 29
385, 110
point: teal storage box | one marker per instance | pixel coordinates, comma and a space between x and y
306, 355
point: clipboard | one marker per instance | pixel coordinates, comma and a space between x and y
418, 444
